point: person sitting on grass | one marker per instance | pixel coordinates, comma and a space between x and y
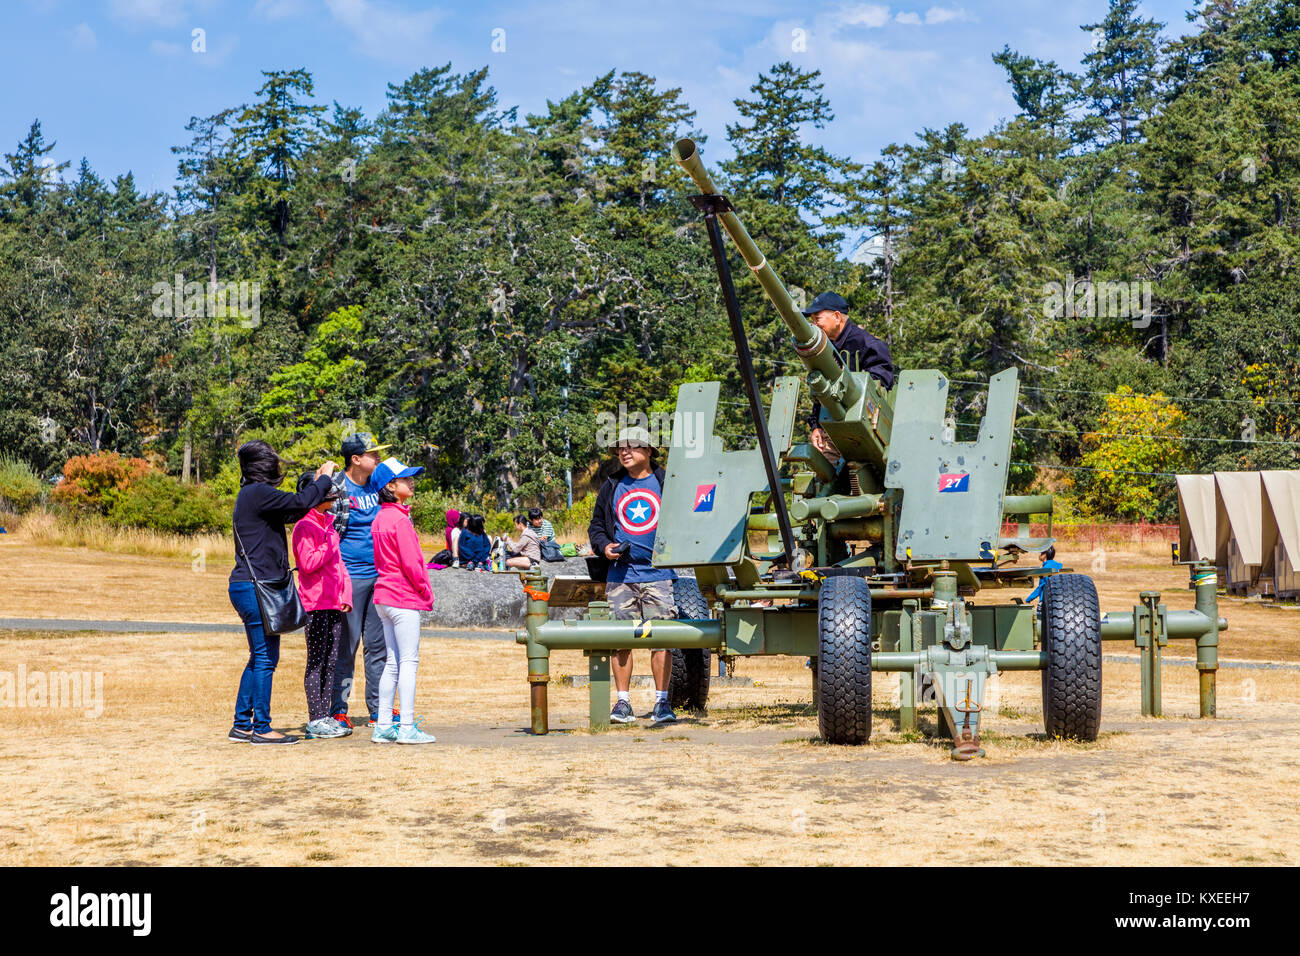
1050, 563
402, 591
326, 593
545, 530
450, 557
475, 549
526, 551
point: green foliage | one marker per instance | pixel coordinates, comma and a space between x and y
21, 489
479, 287
162, 503
329, 383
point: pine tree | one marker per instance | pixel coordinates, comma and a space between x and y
1120, 78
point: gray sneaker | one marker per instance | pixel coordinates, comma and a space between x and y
325, 727
663, 714
622, 713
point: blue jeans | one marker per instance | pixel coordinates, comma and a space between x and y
253, 705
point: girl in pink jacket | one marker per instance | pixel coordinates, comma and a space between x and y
402, 591
326, 593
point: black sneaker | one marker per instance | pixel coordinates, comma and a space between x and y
663, 714
240, 736
284, 739
622, 713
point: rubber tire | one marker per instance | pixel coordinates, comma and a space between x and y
688, 687
844, 660
1071, 627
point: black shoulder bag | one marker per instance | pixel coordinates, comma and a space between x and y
282, 611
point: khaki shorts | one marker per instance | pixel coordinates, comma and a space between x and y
646, 601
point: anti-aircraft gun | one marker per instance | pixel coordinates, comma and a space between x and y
878, 561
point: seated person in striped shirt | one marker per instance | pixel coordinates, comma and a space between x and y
540, 525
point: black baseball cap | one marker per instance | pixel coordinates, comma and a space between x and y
827, 300
308, 478
359, 444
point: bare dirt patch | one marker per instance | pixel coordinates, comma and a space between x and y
153, 780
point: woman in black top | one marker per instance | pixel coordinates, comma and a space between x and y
261, 512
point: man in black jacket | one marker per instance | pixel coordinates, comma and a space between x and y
858, 350
622, 536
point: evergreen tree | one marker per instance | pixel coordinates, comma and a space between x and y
1120, 77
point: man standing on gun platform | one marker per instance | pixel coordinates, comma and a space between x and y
622, 536
858, 350
354, 513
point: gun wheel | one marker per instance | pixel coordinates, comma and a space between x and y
844, 660
1071, 620
688, 688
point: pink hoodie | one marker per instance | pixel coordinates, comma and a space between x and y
403, 579
323, 583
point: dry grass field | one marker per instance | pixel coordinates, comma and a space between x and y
153, 780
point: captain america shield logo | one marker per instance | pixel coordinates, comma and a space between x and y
638, 511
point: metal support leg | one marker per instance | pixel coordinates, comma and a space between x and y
539, 657
1205, 583
907, 679
598, 672
1151, 637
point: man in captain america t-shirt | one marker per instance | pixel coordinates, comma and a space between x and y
622, 531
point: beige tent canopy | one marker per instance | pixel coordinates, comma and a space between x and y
1280, 538
1239, 520
1196, 517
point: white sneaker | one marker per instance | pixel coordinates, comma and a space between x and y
414, 735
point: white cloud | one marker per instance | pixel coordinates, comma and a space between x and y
944, 14
83, 38
910, 18
386, 33
864, 15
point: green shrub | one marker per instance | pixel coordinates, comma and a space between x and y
500, 522
575, 521
92, 483
21, 489
162, 503
429, 512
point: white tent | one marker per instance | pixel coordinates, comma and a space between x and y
1195, 517
1239, 512
1280, 538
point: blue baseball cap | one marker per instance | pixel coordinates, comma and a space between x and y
827, 300
391, 468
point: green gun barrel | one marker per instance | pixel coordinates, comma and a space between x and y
835, 388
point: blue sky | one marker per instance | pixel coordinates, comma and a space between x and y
116, 81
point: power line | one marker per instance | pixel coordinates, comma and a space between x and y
1256, 441
1172, 398
1109, 471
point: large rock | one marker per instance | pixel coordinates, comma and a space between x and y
494, 600
486, 599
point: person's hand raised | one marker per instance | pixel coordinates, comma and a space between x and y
326, 469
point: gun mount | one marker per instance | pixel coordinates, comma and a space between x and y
876, 562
